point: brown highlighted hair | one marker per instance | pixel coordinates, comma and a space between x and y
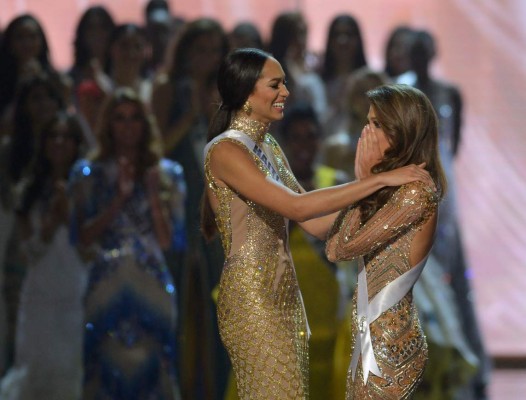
150, 146
411, 125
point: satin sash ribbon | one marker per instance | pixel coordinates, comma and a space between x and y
369, 312
269, 164
252, 146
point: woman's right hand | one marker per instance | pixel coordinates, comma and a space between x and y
406, 174
368, 153
126, 180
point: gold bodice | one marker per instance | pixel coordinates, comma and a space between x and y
260, 314
385, 243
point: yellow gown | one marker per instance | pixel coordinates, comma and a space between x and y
398, 344
261, 317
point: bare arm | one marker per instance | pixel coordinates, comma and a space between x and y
232, 166
91, 230
318, 227
161, 101
161, 220
368, 154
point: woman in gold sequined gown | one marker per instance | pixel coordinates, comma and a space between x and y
391, 232
250, 196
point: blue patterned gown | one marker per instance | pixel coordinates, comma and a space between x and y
130, 309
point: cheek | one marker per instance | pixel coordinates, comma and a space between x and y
384, 143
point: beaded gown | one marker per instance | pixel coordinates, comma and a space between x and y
399, 346
261, 317
130, 307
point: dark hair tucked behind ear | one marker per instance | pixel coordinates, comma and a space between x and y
236, 79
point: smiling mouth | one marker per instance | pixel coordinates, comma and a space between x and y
280, 105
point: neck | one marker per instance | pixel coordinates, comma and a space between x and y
254, 129
343, 66
127, 76
59, 172
129, 154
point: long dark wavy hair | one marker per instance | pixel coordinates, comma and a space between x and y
399, 33
285, 31
177, 65
411, 125
121, 31
25, 134
329, 62
42, 168
8, 63
82, 54
236, 80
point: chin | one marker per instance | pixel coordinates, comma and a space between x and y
279, 115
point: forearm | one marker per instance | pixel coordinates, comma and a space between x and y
161, 224
93, 229
322, 202
49, 225
318, 227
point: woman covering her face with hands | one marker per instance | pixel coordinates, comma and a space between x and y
250, 196
391, 233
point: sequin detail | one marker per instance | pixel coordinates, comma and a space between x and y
254, 129
129, 305
260, 314
385, 241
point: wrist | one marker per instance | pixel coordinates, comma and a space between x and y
377, 181
157, 213
155, 202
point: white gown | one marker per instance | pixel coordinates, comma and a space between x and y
48, 355
6, 223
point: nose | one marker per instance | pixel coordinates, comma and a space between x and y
284, 92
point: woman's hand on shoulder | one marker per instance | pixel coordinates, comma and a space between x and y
406, 174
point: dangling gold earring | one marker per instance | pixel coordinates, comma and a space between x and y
247, 108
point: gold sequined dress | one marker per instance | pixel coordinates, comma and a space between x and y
261, 317
384, 241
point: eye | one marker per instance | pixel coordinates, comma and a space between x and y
377, 124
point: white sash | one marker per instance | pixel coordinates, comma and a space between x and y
369, 312
252, 146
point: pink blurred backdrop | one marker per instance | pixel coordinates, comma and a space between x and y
481, 45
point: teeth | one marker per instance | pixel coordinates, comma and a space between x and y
281, 105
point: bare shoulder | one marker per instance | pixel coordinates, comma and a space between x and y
227, 151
